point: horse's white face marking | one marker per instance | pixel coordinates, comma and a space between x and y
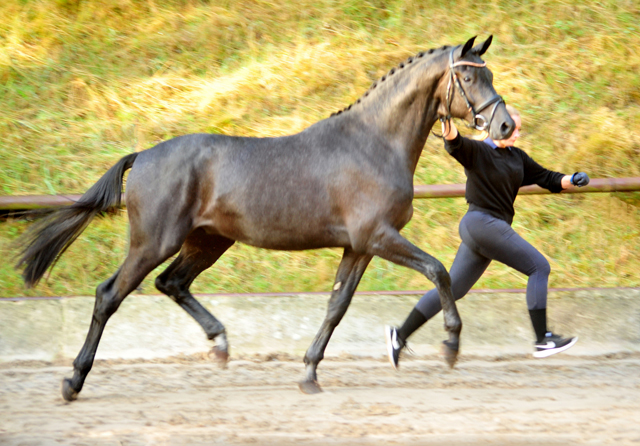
337, 286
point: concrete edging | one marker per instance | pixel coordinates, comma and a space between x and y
607, 321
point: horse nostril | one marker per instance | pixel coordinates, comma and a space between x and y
506, 130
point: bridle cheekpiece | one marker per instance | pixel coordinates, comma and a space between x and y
479, 121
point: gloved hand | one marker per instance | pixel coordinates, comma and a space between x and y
579, 179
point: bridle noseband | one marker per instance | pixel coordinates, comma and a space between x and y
479, 121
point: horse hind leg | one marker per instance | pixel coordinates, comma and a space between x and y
199, 251
352, 267
109, 295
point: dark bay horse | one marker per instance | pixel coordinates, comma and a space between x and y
346, 181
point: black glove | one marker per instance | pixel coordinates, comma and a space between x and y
579, 179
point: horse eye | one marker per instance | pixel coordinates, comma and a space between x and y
467, 79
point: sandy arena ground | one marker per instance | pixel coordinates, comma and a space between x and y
507, 401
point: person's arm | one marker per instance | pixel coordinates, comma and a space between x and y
534, 173
460, 148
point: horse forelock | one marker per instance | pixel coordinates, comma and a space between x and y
399, 69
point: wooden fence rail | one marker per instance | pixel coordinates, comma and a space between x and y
25, 202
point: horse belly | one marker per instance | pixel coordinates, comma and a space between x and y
294, 239
277, 222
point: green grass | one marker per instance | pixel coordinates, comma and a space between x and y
83, 83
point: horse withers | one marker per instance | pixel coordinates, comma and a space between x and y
345, 181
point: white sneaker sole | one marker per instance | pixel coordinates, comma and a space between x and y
387, 336
553, 351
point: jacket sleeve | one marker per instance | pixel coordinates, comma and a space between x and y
462, 149
534, 173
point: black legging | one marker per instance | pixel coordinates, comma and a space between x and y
486, 238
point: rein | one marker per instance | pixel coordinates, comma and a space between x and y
479, 121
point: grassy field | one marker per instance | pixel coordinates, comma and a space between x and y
85, 82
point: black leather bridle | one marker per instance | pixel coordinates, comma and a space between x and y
480, 122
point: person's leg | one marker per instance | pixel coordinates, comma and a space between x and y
498, 241
493, 239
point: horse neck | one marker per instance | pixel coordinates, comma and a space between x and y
402, 107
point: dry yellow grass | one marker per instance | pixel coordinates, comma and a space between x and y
86, 82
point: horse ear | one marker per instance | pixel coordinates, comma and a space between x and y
467, 46
482, 48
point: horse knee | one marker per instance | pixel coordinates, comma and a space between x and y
438, 274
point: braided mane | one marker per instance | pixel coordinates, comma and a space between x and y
391, 72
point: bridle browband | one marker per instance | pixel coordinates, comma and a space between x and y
479, 121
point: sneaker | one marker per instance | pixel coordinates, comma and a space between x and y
394, 345
552, 344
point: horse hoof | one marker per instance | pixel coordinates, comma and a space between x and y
221, 356
309, 387
67, 391
450, 352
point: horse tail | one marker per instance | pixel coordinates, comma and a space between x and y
59, 227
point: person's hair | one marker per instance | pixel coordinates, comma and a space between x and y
512, 112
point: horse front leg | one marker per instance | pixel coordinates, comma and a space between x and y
390, 245
350, 271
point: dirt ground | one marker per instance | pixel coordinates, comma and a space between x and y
191, 401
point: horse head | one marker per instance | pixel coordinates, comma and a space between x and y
467, 92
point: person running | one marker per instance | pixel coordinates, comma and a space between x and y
495, 172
